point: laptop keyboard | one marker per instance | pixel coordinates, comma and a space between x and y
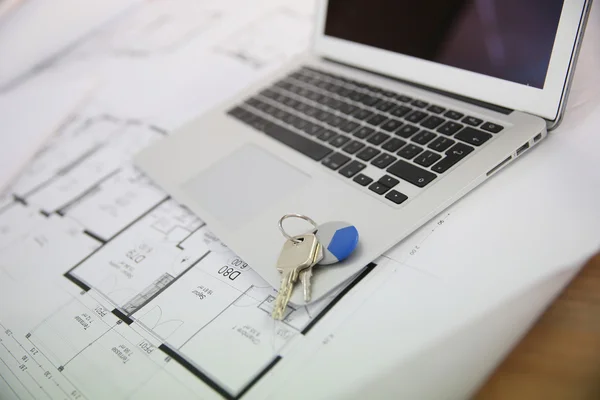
345, 125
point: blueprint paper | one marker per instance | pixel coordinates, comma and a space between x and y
36, 32
52, 98
109, 289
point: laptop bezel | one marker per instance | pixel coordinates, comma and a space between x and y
546, 103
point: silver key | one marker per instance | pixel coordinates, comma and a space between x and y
298, 254
305, 277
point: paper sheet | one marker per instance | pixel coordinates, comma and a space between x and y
110, 289
31, 113
49, 30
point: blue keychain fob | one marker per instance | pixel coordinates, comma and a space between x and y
339, 239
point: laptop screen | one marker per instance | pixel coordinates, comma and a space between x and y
506, 39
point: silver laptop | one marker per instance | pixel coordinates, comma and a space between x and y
398, 110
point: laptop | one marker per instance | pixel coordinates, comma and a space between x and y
398, 110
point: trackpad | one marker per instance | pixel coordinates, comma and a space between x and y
243, 184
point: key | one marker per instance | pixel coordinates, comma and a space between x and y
338, 240
298, 253
305, 277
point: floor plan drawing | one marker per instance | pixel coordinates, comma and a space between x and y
135, 280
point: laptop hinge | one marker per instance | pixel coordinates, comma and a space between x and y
479, 103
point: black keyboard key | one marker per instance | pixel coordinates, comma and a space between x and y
347, 109
393, 145
385, 106
344, 91
352, 169
455, 115
407, 131
300, 106
364, 132
400, 111
311, 111
396, 197
268, 109
383, 160
369, 100
280, 97
459, 150
432, 122
427, 158
409, 151
328, 86
312, 129
290, 119
309, 148
403, 98
249, 117
436, 109
490, 127
388, 181
300, 91
237, 112
362, 114
416, 116
300, 123
240, 114
355, 96
322, 85
378, 138
349, 126
362, 179
339, 141
268, 93
472, 121
378, 188
419, 103
336, 121
391, 125
353, 147
279, 114
411, 173
336, 89
368, 153
376, 119
254, 102
260, 123
326, 135
441, 144
335, 104
423, 137
291, 102
327, 101
453, 155
450, 128
324, 116
335, 161
473, 136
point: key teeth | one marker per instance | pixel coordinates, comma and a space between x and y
306, 275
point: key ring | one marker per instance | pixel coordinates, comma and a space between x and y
304, 217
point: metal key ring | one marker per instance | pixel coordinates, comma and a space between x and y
304, 217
